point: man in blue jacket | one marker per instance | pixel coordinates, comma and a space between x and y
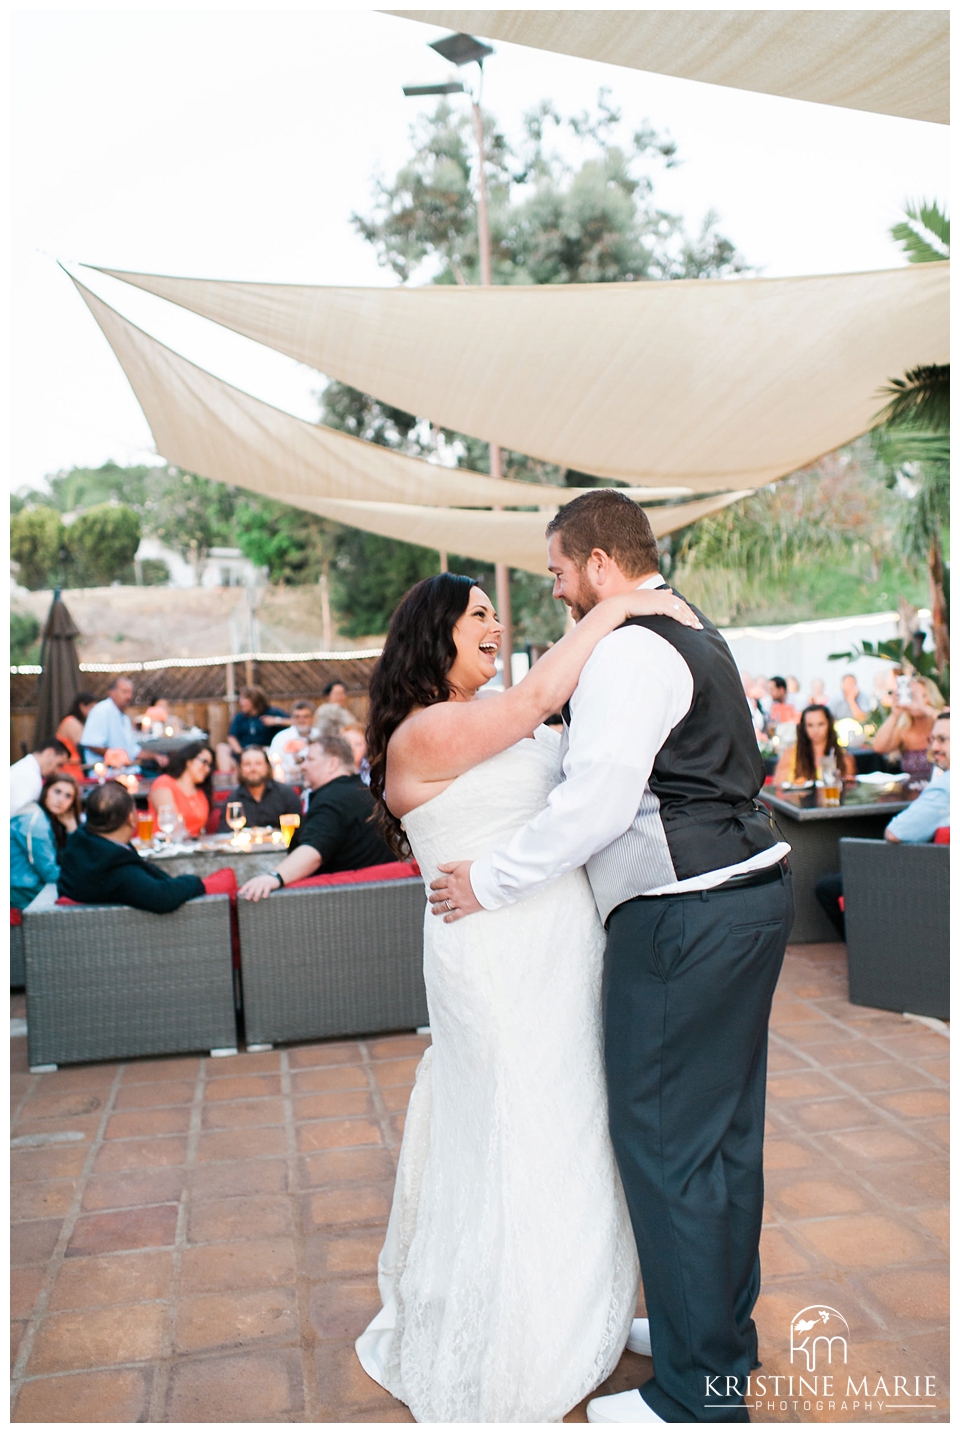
100, 867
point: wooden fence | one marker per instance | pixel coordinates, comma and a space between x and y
202, 691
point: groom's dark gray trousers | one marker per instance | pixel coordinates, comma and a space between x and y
688, 983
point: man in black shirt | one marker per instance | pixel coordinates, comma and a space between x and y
100, 867
336, 834
264, 800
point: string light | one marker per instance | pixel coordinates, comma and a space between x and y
165, 663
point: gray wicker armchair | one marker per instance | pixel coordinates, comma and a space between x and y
113, 983
897, 915
329, 961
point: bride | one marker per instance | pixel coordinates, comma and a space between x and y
509, 1272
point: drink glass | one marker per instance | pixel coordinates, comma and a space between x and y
831, 782
145, 825
167, 820
289, 824
236, 819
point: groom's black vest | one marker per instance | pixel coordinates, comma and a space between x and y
699, 811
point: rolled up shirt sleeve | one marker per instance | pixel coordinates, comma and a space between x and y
920, 821
633, 690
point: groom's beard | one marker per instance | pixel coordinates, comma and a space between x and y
584, 599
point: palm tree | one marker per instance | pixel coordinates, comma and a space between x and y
914, 433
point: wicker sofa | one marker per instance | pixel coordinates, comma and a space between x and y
113, 983
897, 916
327, 960
17, 975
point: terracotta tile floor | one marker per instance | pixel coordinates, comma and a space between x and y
195, 1240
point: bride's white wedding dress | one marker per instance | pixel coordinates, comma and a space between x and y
509, 1272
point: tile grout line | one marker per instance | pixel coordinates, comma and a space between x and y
163, 1365
55, 1262
302, 1290
32, 1086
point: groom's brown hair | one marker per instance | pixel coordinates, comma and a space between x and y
611, 521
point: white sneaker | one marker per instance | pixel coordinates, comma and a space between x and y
629, 1407
639, 1339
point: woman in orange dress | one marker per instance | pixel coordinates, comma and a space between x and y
69, 732
187, 786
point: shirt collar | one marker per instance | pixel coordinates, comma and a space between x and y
655, 581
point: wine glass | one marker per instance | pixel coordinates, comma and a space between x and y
236, 818
167, 820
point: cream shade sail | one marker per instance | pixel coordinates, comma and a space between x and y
208, 427
511, 537
703, 384
177, 396
889, 61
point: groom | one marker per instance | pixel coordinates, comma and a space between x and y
661, 770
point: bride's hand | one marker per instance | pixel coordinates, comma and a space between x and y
658, 602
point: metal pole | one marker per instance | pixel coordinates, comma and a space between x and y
501, 570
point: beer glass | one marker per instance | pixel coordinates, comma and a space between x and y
831, 781
145, 825
289, 824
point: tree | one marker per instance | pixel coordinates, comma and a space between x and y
24, 639
36, 543
551, 220
190, 514
296, 547
101, 545
913, 435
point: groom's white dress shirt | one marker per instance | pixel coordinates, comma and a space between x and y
633, 690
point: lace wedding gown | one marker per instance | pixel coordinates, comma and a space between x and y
509, 1272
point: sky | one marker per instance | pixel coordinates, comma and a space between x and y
236, 144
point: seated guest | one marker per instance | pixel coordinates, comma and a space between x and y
264, 800
38, 835
108, 728
816, 738
781, 710
100, 867
70, 731
29, 773
290, 743
850, 703
930, 812
253, 725
187, 786
336, 834
356, 738
923, 820
906, 731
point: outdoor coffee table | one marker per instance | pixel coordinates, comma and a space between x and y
210, 853
814, 829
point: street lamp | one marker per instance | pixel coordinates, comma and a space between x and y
464, 49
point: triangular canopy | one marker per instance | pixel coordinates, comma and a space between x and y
889, 61
702, 384
313, 460
208, 427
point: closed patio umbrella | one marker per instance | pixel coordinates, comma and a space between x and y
60, 679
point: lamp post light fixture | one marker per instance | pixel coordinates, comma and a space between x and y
462, 49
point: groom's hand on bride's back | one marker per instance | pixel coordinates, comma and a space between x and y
451, 894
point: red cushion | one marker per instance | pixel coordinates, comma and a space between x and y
221, 883
213, 820
16, 916
941, 837
840, 903
66, 901
390, 871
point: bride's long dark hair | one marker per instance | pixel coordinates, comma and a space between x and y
412, 672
